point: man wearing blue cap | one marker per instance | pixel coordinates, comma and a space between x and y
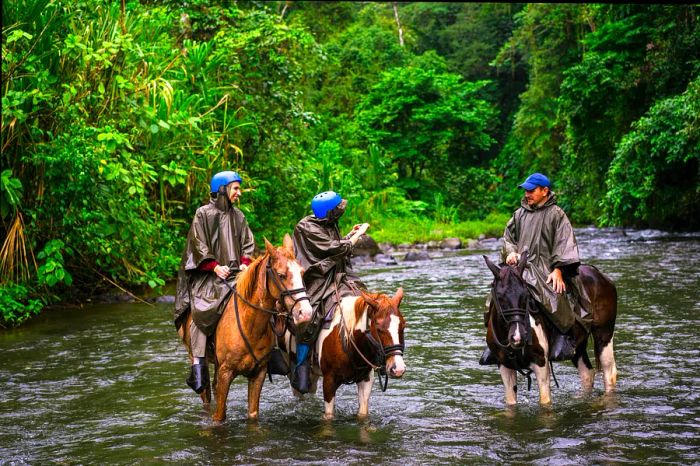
542, 228
328, 275
219, 245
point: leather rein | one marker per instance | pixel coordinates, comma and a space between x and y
381, 352
270, 275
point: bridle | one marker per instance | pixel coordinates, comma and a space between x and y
270, 275
381, 352
512, 315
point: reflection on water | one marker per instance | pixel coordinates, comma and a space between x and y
105, 384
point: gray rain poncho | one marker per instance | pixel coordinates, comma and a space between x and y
325, 256
219, 231
546, 233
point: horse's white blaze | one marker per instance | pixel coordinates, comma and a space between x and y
607, 360
516, 335
399, 365
305, 311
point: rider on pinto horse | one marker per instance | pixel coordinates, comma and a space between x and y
542, 228
328, 276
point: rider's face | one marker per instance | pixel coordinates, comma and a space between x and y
537, 196
233, 190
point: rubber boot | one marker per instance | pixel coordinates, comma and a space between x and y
301, 379
277, 364
562, 348
199, 377
487, 358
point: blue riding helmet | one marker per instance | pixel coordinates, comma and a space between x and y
222, 179
323, 203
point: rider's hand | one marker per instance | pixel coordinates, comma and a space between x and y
242, 267
512, 258
362, 229
222, 271
557, 281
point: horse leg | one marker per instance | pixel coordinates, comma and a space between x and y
509, 383
364, 389
585, 368
255, 385
224, 377
607, 362
330, 386
542, 374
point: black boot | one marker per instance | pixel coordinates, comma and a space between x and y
563, 347
199, 377
277, 364
301, 380
488, 358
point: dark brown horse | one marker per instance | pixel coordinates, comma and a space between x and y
271, 287
365, 335
518, 333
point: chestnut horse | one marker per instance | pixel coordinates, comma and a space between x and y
270, 287
518, 333
365, 334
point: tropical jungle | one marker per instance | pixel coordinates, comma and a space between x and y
424, 116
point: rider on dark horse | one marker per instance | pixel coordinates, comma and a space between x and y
219, 245
328, 276
542, 228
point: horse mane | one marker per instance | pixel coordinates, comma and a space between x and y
246, 281
362, 306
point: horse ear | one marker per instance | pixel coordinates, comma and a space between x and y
288, 243
494, 268
270, 248
369, 300
397, 297
522, 263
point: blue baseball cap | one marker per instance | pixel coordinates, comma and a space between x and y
535, 180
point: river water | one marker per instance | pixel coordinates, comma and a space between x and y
105, 384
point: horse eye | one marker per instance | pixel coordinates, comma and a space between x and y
283, 276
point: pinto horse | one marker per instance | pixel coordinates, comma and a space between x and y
518, 334
271, 287
366, 334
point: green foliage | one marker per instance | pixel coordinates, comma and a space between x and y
424, 119
662, 149
52, 271
17, 306
114, 121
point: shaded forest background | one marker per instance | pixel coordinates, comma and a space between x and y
425, 116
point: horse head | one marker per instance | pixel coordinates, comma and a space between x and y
286, 274
510, 297
385, 330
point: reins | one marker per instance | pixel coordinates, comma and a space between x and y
272, 311
507, 316
382, 351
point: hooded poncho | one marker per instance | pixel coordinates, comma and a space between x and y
220, 232
325, 256
546, 233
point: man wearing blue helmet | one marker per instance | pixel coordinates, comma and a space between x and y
219, 244
543, 229
328, 276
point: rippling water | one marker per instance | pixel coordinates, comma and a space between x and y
105, 384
